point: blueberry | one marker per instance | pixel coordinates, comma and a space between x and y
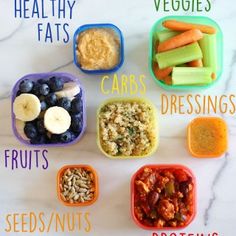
56, 83
77, 116
18, 93
44, 89
51, 99
30, 130
36, 89
79, 95
73, 136
54, 138
76, 105
26, 86
43, 106
65, 103
66, 137
76, 124
40, 126
41, 139
42, 81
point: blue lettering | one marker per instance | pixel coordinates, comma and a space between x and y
71, 8
39, 31
26, 9
18, 9
53, 7
61, 9
35, 10
48, 33
58, 30
43, 12
66, 40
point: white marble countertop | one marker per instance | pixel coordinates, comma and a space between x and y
35, 190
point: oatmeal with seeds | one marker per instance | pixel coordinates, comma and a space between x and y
127, 128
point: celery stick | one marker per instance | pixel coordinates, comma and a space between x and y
208, 46
191, 75
178, 56
166, 34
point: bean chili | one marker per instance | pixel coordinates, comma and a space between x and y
163, 197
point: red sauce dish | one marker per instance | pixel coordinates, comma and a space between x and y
163, 197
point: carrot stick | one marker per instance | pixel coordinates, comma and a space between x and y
161, 73
180, 40
184, 26
196, 63
156, 46
168, 80
213, 76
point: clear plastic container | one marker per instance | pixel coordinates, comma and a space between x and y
158, 167
35, 77
191, 19
96, 185
154, 122
103, 26
207, 137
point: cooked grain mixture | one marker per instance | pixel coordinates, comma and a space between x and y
127, 128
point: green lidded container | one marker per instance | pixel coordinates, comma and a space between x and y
157, 27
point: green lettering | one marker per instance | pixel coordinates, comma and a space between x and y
157, 4
177, 6
199, 5
184, 5
208, 7
166, 2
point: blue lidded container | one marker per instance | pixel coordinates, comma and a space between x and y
116, 30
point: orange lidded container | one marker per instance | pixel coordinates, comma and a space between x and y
207, 137
163, 197
77, 185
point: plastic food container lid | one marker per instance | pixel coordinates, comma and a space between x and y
192, 19
155, 122
158, 167
35, 77
104, 26
96, 185
220, 140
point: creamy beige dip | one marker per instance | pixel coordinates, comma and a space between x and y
98, 49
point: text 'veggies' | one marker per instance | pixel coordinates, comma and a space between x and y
183, 5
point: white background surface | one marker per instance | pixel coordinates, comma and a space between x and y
35, 190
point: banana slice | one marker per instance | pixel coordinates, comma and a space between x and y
26, 107
70, 90
57, 120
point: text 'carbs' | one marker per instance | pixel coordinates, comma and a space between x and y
41, 222
198, 104
123, 84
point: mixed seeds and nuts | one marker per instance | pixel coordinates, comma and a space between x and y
77, 185
163, 197
127, 128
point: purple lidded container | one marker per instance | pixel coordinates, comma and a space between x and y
35, 77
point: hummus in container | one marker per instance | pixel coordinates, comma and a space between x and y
98, 49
